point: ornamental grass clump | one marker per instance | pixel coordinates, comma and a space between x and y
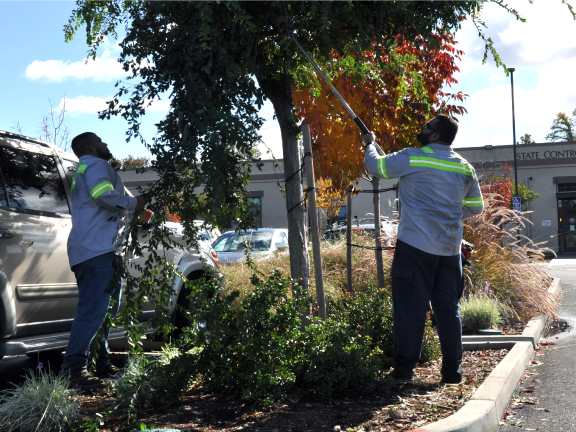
504, 262
42, 403
479, 312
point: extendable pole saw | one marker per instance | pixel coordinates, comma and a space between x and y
357, 120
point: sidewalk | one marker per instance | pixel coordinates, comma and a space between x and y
545, 400
487, 405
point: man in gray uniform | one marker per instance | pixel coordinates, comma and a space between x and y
101, 208
437, 190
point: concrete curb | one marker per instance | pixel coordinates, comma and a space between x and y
485, 408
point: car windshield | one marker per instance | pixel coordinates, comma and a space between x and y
237, 242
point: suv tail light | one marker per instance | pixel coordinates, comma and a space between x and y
215, 256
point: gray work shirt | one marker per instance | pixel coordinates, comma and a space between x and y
101, 208
437, 190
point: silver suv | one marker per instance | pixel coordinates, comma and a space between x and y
38, 292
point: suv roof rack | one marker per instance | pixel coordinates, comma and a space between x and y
17, 137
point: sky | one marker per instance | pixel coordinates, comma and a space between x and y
38, 68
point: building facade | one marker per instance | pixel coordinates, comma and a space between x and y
548, 169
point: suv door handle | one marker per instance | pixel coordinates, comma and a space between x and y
6, 233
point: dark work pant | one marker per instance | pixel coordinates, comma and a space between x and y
417, 279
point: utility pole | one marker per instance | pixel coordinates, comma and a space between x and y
517, 204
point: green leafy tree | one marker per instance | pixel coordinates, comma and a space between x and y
526, 139
563, 128
218, 61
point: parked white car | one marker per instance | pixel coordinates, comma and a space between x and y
260, 243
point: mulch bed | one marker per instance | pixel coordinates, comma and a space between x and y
393, 406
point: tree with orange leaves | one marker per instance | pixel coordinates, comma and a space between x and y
329, 198
393, 97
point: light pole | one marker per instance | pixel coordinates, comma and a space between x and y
514, 131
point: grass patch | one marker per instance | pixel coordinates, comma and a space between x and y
42, 403
479, 312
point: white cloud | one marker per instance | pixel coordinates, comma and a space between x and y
85, 105
104, 68
547, 34
489, 118
543, 51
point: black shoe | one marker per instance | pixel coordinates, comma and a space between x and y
450, 381
84, 381
106, 371
399, 376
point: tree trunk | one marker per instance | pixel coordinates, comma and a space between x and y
278, 88
297, 236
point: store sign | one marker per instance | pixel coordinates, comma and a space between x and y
546, 222
517, 204
548, 154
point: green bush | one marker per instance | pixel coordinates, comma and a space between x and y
335, 357
479, 312
370, 313
256, 346
42, 403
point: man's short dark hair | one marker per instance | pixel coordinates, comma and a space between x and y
447, 127
79, 143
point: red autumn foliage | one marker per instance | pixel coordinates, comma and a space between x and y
390, 104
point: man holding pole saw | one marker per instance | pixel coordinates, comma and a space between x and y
437, 191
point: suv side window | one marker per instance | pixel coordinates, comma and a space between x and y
3, 198
32, 181
70, 169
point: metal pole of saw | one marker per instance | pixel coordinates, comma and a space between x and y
349, 238
314, 228
356, 119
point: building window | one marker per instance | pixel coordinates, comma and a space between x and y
566, 187
255, 209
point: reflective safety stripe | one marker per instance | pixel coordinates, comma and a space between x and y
473, 202
427, 150
441, 165
382, 167
101, 188
79, 170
